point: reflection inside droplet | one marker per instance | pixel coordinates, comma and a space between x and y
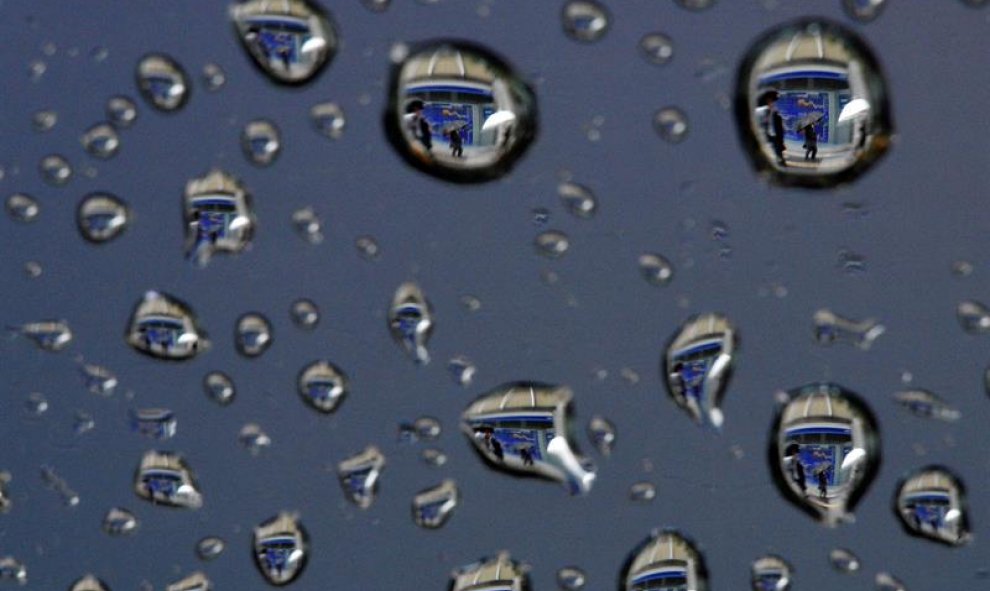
931, 503
843, 560
770, 573
431, 508
119, 522
261, 142
290, 40
585, 20
697, 366
359, 475
497, 572
101, 141
831, 328
164, 327
280, 549
101, 217
162, 82
667, 560
252, 334
410, 320
927, 405
218, 217
322, 386
164, 479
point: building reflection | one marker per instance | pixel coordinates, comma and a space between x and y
666, 562
930, 503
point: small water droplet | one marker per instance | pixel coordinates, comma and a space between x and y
974, 317
53, 481
261, 142
304, 314
864, 11
101, 141
540, 216
470, 303
89, 583
359, 476
101, 217
290, 41
44, 120
832, 328
427, 428
843, 560
197, 581
462, 370
36, 69
931, 503
218, 216
851, 263
253, 438
163, 478
602, 434
698, 364
497, 572
164, 327
22, 207
328, 119
578, 200
120, 522
47, 335
431, 508
927, 405
571, 578
642, 492
213, 77
666, 560
671, 124
656, 48
962, 268
308, 225
55, 170
655, 268
376, 5
252, 334
162, 82
219, 388
36, 404
552, 244
885, 581
585, 20
32, 269
5, 501
121, 111
99, 53
210, 548
155, 423
83, 423
695, 4
410, 320
434, 457
12, 570
771, 573
322, 385
367, 247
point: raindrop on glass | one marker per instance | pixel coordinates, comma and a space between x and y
36, 404
218, 217
53, 481
851, 263
101, 217
657, 48
32, 269
252, 334
359, 476
770, 573
671, 124
697, 366
666, 560
571, 578
162, 82
602, 434
210, 548
48, 335
89, 583
44, 120
642, 492
304, 313
5, 501
864, 11
585, 20
552, 244
695, 4
427, 428
164, 479
101, 141
22, 207
824, 450
541, 448
431, 508
832, 328
328, 119
578, 200
261, 142
12, 570
367, 247
540, 216
927, 405
155, 423
98, 379
308, 225
213, 77
462, 370
434, 457
973, 317
219, 388
119, 522
322, 386
55, 170
121, 111
410, 320
253, 438
83, 423
655, 268
931, 504
376, 5
497, 572
197, 581
291, 41
164, 327
843, 560
885, 581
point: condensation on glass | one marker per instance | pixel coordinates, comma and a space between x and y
770, 573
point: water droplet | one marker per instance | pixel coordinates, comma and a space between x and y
864, 10
48, 335
885, 581
540, 216
290, 41
5, 501
671, 124
431, 508
973, 317
308, 225
931, 503
376, 5
571, 578
164, 479
162, 82
44, 120
55, 170
120, 522
210, 548
578, 200
666, 560
99, 53
434, 457
831, 328
522, 427
322, 385
98, 379
367, 247
219, 388
218, 216
253, 334
825, 450
12, 570
328, 119
655, 268
253, 438
407, 433
53, 481
585, 20
427, 428
927, 405
89, 583
851, 263
22, 207
197, 581
698, 364
843, 560
695, 4
602, 434
37, 69
642, 492
32, 269
552, 244
304, 313
771, 573
36, 404
101, 217
824, 125
438, 130
497, 572
462, 370
962, 268
410, 320
155, 423
163, 326
213, 77
261, 142
470, 303
359, 475
83, 423
657, 48
101, 141
121, 111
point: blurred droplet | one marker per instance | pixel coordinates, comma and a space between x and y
121, 111
410, 320
657, 48
252, 334
851, 263
770, 573
219, 388
695, 4
470, 303
163, 478
578, 200
552, 244
101, 217
376, 5
328, 119
497, 572
655, 268
101, 141
367, 247
322, 386
885, 581
55, 170
162, 82
462, 370
33, 269
119, 522
197, 581
22, 207
864, 11
287, 53
36, 69
962, 268
83, 423
5, 501
304, 313
155, 423
427, 428
89, 583
359, 476
602, 434
44, 120
931, 503
585, 20
927, 405
698, 364
843, 560
431, 508
261, 142
53, 481
974, 317
540, 216
47, 335
666, 560
642, 492
164, 327
210, 548
213, 77
253, 438
671, 124
308, 225
434, 457
218, 216
832, 328
571, 578
36, 404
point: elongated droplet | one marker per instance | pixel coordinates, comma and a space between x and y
552, 244
931, 503
885, 581
210, 548
162, 82
522, 427
89, 583
410, 319
843, 560
55, 482
655, 268
770, 573
261, 142
99, 380
462, 370
197, 581
164, 327
48, 335
219, 388
825, 450
101, 141
497, 572
13, 570
218, 216
666, 560
431, 508
697, 366
927, 405
101, 217
5, 501
155, 423
22, 207
974, 317
602, 434
833, 328
119, 522
434, 457
291, 41
322, 385
281, 549
359, 476
164, 479
252, 334
577, 199
571, 578
642, 492
585, 20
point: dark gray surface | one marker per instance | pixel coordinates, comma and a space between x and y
925, 209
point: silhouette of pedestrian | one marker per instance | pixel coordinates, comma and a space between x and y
810, 142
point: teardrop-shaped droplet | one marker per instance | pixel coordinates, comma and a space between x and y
291, 41
305, 314
832, 328
164, 479
431, 508
927, 405
666, 560
48, 335
578, 200
121, 111
197, 581
655, 268
218, 216
458, 111
552, 244
253, 334
213, 77
410, 320
770, 573
162, 82
843, 560
281, 549
864, 10
261, 142
55, 170
931, 503
13, 570
22, 207
328, 119
698, 364
89, 583
974, 317
522, 427
155, 423
119, 522
219, 388
571, 578
101, 217
812, 106
165, 327
210, 548
359, 476
322, 385
885, 581
671, 124
308, 225
602, 434
824, 450
642, 492
496, 572
462, 370
101, 141
585, 20
657, 48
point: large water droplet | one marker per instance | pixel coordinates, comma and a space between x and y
55, 170
254, 439
431, 508
291, 41
197, 581
657, 48
655, 268
252, 334
101, 141
155, 423
210, 548
522, 427
812, 104
885, 581
121, 111
359, 475
931, 503
12, 570
281, 548
666, 560
89, 583
164, 479
552, 244
218, 217
48, 335
578, 200
974, 317
843, 560
119, 522
328, 119
771, 573
831, 328
22, 207
162, 82
864, 10
322, 385
410, 320
219, 388
698, 364
261, 142
164, 327
101, 217
305, 314
459, 112
671, 124
571, 578
927, 405
602, 434
824, 450
585, 20
497, 572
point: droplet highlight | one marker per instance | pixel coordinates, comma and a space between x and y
655, 268
322, 385
162, 82
119, 522
218, 217
261, 142
410, 320
926, 404
844, 561
931, 504
22, 207
974, 317
290, 41
101, 141
586, 21
770, 573
253, 335
577, 199
832, 328
666, 560
497, 572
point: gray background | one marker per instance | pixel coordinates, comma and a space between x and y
922, 208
